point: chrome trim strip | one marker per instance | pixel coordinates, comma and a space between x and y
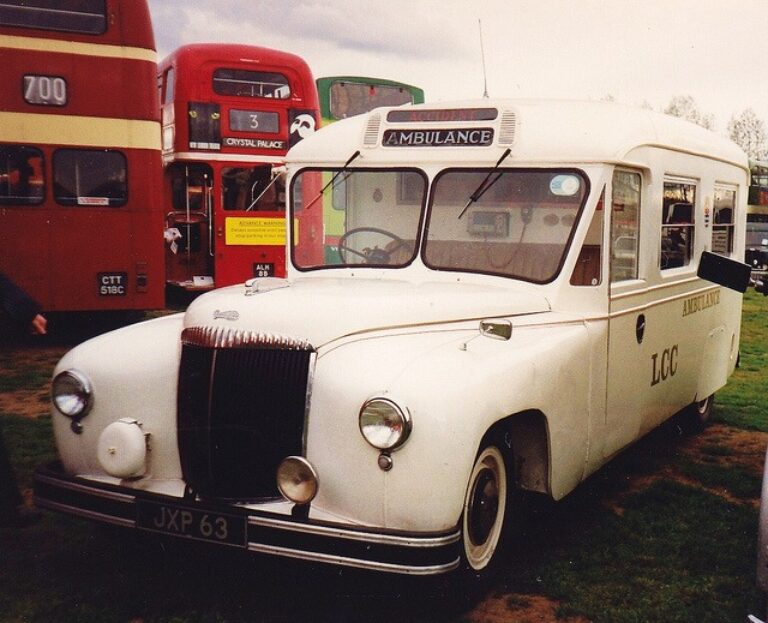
72, 486
654, 288
308, 399
657, 302
73, 510
225, 337
352, 535
353, 562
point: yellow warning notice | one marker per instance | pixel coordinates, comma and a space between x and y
255, 231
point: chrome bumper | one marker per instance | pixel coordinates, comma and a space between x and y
263, 532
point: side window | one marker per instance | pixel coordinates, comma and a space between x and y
21, 175
246, 188
723, 220
587, 271
677, 224
169, 86
84, 177
625, 225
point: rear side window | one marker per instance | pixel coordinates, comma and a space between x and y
678, 227
723, 227
21, 175
84, 177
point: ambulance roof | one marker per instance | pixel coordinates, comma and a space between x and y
534, 131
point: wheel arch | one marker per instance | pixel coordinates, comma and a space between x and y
524, 439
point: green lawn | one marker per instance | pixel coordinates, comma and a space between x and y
671, 550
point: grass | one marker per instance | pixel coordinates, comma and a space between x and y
742, 403
668, 551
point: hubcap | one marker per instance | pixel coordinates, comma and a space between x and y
483, 505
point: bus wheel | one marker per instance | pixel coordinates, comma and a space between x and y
699, 414
485, 512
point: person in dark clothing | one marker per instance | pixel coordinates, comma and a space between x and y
21, 308
24, 311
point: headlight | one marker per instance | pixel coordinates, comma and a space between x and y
297, 480
384, 424
72, 394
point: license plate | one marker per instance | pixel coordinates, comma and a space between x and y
191, 523
263, 270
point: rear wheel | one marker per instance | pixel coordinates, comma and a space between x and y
698, 415
485, 511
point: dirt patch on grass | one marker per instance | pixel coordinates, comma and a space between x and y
718, 445
27, 371
518, 608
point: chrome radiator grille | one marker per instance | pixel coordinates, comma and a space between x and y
241, 408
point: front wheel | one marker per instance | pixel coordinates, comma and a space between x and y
485, 511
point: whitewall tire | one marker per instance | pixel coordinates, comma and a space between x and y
485, 510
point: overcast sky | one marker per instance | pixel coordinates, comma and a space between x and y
634, 50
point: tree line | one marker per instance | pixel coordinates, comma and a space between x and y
745, 129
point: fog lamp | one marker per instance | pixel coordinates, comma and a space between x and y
384, 424
122, 449
72, 394
297, 480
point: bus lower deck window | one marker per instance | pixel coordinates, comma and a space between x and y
89, 177
21, 175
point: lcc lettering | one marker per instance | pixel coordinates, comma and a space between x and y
664, 365
112, 284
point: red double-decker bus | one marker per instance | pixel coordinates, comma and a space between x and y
81, 221
229, 115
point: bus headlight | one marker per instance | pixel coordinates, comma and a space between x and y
72, 394
384, 424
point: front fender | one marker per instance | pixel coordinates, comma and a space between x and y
456, 389
145, 359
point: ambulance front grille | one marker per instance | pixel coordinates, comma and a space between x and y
240, 411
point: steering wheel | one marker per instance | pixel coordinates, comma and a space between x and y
370, 256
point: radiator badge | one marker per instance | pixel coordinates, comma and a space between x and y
225, 315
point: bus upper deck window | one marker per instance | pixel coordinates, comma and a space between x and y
86, 16
87, 177
21, 175
245, 83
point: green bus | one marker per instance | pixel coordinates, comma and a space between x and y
346, 96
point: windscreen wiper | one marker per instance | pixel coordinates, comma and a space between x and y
484, 185
333, 179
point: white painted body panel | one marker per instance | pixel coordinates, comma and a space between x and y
411, 334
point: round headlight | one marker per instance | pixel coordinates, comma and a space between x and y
297, 480
72, 394
383, 424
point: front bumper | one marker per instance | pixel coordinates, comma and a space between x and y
243, 526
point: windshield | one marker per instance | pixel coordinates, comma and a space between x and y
517, 224
511, 222
370, 218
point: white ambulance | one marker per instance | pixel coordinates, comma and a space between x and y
503, 296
